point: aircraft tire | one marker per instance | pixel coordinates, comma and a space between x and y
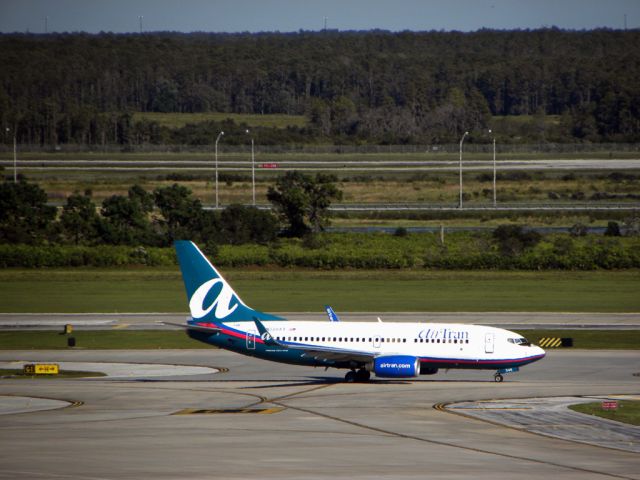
498, 378
363, 375
351, 376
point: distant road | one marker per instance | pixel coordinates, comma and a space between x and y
320, 165
151, 321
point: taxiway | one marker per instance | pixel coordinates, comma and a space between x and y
305, 423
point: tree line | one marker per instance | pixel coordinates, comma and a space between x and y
367, 87
156, 219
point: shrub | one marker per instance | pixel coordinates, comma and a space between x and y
514, 239
613, 229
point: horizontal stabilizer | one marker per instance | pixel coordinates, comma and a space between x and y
331, 314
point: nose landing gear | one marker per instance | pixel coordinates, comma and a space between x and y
498, 375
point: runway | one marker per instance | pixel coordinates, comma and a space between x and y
306, 422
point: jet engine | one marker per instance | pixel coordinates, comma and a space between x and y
396, 366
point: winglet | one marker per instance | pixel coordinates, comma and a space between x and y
331, 314
265, 335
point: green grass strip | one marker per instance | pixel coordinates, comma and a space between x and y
589, 339
161, 290
628, 411
145, 340
98, 339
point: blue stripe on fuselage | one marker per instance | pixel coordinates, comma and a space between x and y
487, 364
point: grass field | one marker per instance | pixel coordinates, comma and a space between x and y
628, 411
121, 339
432, 188
161, 290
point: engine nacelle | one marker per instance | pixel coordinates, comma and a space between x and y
428, 370
396, 366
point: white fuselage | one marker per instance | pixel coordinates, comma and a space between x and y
461, 344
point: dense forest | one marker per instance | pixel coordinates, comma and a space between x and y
354, 87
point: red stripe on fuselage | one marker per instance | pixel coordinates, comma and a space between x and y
230, 332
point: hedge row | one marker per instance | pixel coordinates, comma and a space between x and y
28, 256
462, 250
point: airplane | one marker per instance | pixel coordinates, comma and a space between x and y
388, 350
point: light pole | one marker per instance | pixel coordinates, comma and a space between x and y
15, 157
217, 140
494, 170
461, 140
253, 171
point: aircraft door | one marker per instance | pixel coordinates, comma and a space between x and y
488, 343
376, 341
251, 341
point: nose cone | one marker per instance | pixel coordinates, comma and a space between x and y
539, 352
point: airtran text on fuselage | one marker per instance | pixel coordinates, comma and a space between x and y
443, 334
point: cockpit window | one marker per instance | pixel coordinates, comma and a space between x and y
523, 342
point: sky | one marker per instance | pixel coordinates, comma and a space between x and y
121, 16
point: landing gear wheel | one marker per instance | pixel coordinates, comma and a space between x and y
363, 375
498, 378
351, 376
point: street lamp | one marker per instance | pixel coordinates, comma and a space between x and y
217, 140
461, 140
15, 157
494, 170
253, 171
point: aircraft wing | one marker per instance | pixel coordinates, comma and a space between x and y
316, 351
336, 354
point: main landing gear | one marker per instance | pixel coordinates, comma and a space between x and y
498, 377
361, 375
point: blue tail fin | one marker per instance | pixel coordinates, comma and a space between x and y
210, 297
